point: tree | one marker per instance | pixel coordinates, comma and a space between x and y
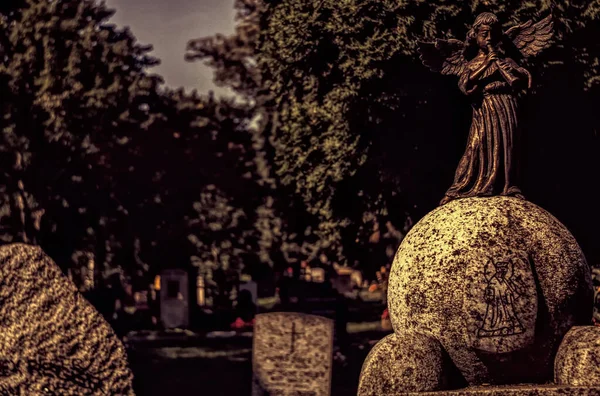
271, 236
201, 142
233, 57
77, 98
283, 233
355, 136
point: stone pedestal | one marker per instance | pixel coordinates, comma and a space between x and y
578, 359
516, 390
489, 287
406, 362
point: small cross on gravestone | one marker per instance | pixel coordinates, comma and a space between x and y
294, 333
292, 355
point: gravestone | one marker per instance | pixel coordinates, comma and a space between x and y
53, 341
292, 355
252, 288
343, 283
174, 309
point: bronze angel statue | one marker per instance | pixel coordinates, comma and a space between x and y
487, 65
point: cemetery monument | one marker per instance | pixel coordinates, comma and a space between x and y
53, 342
174, 300
489, 294
292, 355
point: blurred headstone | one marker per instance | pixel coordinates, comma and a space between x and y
318, 275
245, 309
252, 288
342, 283
174, 309
292, 355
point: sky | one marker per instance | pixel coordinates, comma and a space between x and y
168, 25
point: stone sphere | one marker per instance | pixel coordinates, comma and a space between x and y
498, 281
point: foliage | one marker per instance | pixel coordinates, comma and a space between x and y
326, 153
356, 138
279, 231
232, 57
75, 90
200, 161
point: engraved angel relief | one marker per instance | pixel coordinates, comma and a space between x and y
487, 65
501, 296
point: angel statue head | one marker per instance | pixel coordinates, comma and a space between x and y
486, 31
490, 71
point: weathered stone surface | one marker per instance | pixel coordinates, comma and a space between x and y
497, 281
52, 341
292, 355
407, 362
578, 359
516, 390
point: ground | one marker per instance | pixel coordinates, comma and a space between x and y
223, 366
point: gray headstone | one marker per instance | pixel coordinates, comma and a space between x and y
292, 355
252, 288
174, 309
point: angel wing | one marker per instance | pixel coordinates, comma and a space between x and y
532, 38
444, 56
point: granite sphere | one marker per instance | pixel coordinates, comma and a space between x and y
497, 281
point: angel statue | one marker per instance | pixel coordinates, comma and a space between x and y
487, 65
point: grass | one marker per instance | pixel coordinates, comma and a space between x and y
199, 353
267, 302
354, 328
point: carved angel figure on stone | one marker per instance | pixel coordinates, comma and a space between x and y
489, 71
501, 293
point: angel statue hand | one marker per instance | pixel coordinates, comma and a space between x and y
490, 58
505, 65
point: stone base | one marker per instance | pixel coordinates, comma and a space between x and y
516, 390
577, 362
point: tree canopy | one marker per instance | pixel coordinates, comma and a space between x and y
366, 132
75, 90
336, 141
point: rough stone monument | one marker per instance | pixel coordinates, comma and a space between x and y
488, 292
292, 355
52, 341
174, 301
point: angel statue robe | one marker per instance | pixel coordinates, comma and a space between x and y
487, 166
